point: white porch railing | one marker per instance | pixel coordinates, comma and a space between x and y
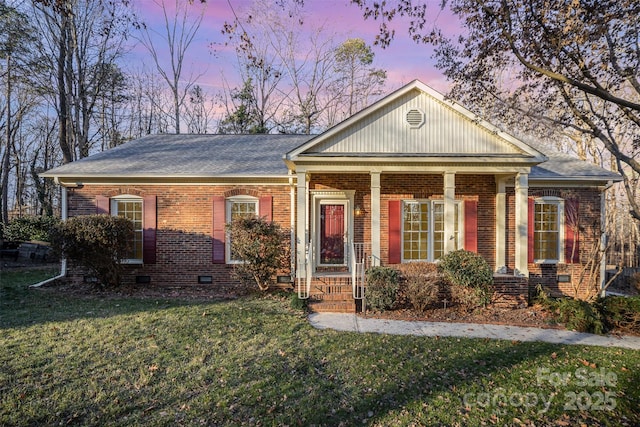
358, 260
304, 283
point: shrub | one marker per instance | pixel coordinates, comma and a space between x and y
382, 288
297, 303
621, 313
580, 315
422, 283
470, 278
96, 242
30, 228
263, 248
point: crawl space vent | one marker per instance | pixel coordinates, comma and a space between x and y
415, 118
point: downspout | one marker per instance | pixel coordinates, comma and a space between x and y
292, 203
603, 239
63, 262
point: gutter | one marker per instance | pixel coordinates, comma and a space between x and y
63, 273
63, 262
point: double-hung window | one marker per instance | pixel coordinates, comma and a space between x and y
239, 207
423, 230
130, 207
548, 229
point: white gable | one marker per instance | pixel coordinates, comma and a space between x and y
415, 121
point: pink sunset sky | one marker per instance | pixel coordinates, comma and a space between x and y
404, 60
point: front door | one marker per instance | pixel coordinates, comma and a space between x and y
332, 234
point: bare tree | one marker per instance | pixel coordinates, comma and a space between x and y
82, 40
180, 29
296, 84
309, 66
199, 111
17, 44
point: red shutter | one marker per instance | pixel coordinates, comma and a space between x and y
395, 231
471, 225
149, 220
531, 229
219, 234
266, 208
103, 205
571, 231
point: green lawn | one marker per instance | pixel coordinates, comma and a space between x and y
254, 361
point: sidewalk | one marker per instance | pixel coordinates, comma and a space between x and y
353, 323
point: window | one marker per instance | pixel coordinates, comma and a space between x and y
131, 208
548, 229
241, 207
423, 230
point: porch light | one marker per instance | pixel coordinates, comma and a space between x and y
358, 211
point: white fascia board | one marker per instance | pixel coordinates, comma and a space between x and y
415, 168
568, 182
74, 181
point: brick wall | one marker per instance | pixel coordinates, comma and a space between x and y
583, 276
184, 242
185, 217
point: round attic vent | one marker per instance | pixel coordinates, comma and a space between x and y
415, 118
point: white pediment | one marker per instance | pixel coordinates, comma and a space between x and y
415, 121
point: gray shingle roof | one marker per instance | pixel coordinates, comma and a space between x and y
564, 166
188, 156
247, 156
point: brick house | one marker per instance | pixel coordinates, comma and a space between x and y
409, 178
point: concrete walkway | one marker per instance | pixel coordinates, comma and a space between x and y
353, 323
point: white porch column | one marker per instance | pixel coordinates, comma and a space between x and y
522, 223
302, 224
603, 239
449, 212
501, 224
375, 218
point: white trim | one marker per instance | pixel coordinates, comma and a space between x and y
113, 205
318, 226
521, 225
375, 218
302, 224
419, 166
228, 202
449, 212
559, 202
319, 197
430, 236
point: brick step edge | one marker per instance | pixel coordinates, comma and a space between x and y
343, 296
332, 307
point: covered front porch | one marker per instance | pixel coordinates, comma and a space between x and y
349, 222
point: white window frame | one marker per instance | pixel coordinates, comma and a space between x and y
431, 234
228, 206
114, 212
559, 202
